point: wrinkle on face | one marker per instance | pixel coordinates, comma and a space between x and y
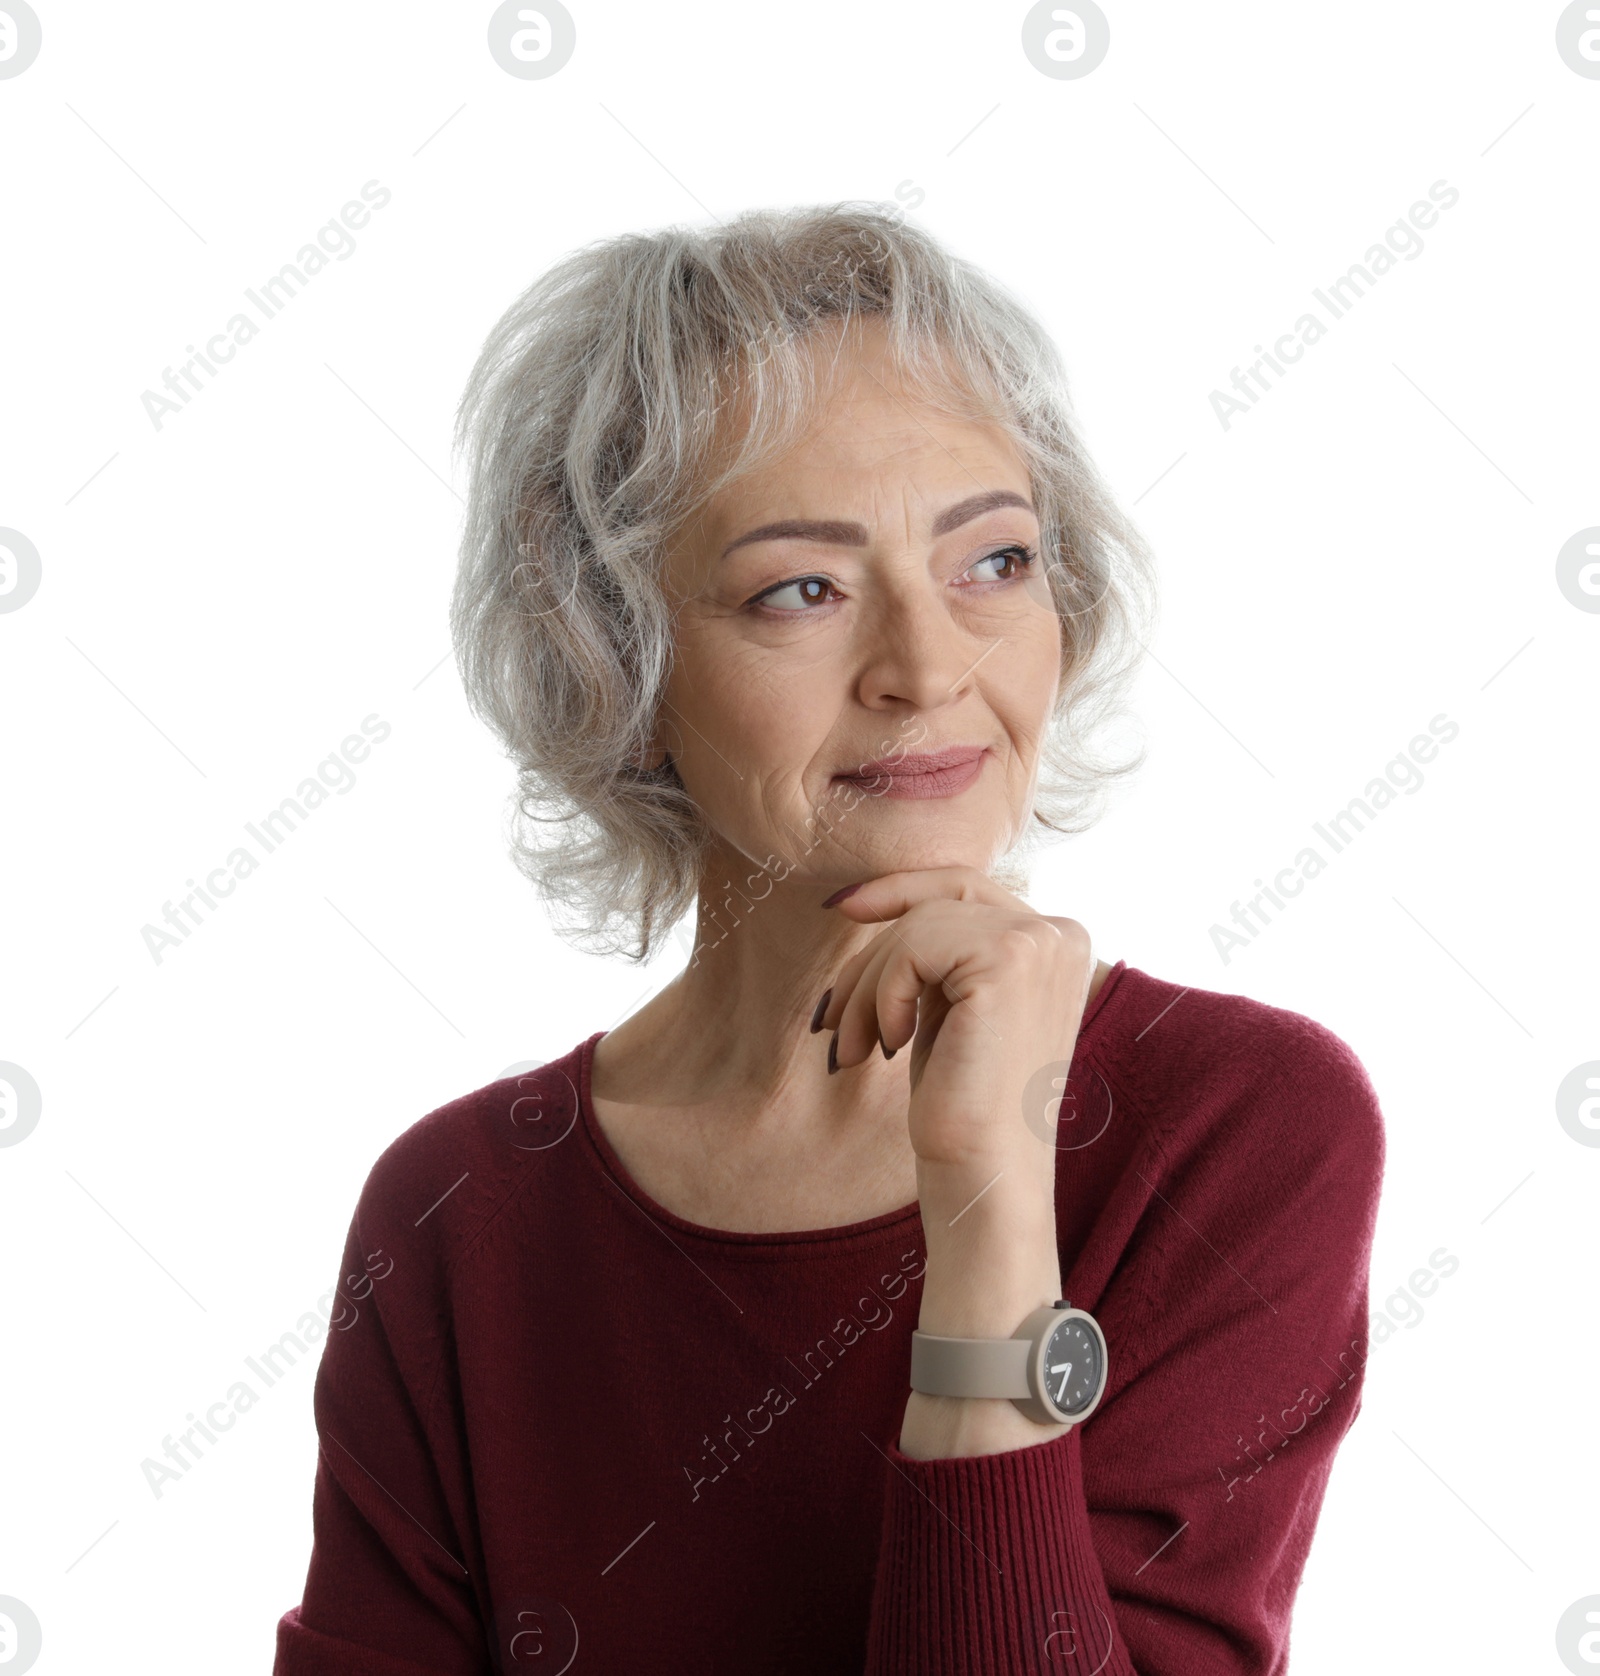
764, 708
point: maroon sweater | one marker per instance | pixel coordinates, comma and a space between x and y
562, 1428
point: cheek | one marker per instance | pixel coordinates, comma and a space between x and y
750, 742
1025, 686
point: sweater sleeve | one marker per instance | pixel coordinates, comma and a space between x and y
1166, 1535
387, 1591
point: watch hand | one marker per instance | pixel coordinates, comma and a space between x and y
1065, 1370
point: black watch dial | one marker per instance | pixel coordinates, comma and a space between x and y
1072, 1366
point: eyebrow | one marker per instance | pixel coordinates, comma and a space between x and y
839, 534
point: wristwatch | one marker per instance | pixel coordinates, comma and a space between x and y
1053, 1367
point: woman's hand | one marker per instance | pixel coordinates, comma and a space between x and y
988, 993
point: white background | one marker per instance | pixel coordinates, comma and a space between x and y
224, 599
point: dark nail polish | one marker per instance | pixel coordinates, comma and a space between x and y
839, 895
833, 1053
888, 1052
822, 1007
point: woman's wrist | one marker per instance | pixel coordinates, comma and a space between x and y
943, 1428
991, 1260
965, 1298
969, 1302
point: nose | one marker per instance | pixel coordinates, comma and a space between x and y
911, 648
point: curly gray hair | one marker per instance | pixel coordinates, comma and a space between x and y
587, 422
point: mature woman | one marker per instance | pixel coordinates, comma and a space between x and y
737, 1338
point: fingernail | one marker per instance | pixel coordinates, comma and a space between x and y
833, 1053
888, 1052
839, 895
822, 1007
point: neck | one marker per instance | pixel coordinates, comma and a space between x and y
734, 1024
732, 1030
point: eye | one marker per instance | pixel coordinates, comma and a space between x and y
798, 586
1023, 557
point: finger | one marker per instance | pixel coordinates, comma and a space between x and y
890, 895
923, 922
902, 978
847, 982
862, 1013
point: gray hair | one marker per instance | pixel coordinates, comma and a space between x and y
587, 422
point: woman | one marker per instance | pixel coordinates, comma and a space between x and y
793, 594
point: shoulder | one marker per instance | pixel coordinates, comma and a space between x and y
1210, 1070
442, 1183
427, 1203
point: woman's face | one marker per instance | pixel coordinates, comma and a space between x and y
876, 592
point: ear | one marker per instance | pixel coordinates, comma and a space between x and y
652, 755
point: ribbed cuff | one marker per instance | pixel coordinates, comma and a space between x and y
987, 1565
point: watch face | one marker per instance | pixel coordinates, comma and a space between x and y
1072, 1366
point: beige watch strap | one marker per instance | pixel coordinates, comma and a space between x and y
969, 1367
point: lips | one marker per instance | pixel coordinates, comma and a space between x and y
909, 766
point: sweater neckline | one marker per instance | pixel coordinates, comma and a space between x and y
611, 1163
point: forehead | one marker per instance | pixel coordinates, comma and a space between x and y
872, 432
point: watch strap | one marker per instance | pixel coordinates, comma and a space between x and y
969, 1367
1006, 1368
